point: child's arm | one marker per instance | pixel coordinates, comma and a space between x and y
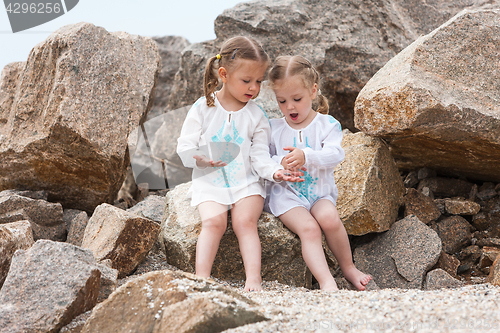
188, 143
261, 160
332, 153
283, 174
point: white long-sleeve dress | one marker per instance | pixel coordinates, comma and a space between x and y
320, 141
239, 138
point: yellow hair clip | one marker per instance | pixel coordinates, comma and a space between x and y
218, 56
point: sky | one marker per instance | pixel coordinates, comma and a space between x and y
193, 20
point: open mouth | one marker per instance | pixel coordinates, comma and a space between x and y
294, 116
248, 95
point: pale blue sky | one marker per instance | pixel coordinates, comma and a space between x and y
193, 20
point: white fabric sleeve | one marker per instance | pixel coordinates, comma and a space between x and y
188, 142
331, 152
272, 151
262, 163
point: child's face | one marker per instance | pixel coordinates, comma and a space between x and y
243, 82
295, 100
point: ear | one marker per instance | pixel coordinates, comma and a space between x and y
314, 91
222, 74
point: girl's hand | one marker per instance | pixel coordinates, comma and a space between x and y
295, 159
289, 176
203, 162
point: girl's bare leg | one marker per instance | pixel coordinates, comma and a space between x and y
325, 212
214, 222
301, 222
244, 216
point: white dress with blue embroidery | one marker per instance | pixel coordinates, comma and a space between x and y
239, 138
320, 141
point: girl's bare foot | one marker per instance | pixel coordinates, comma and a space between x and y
253, 285
330, 286
357, 278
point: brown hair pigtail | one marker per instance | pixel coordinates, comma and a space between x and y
323, 104
210, 81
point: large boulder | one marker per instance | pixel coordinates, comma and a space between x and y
348, 41
167, 301
370, 187
400, 257
80, 94
436, 102
47, 286
281, 249
122, 237
13, 236
9, 81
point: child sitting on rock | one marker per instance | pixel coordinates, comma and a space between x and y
225, 138
310, 139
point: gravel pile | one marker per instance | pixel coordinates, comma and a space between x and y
472, 308
468, 309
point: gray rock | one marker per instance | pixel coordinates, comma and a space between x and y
124, 238
281, 250
481, 221
348, 41
76, 222
47, 286
76, 324
460, 206
454, 232
411, 179
490, 241
448, 263
109, 281
494, 276
486, 194
436, 102
446, 187
151, 208
40, 195
170, 48
46, 218
438, 278
426, 173
421, 206
13, 236
488, 256
79, 96
167, 301
370, 187
400, 257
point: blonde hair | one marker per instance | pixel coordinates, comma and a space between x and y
288, 66
233, 49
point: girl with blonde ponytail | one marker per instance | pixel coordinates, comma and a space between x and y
225, 139
309, 139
